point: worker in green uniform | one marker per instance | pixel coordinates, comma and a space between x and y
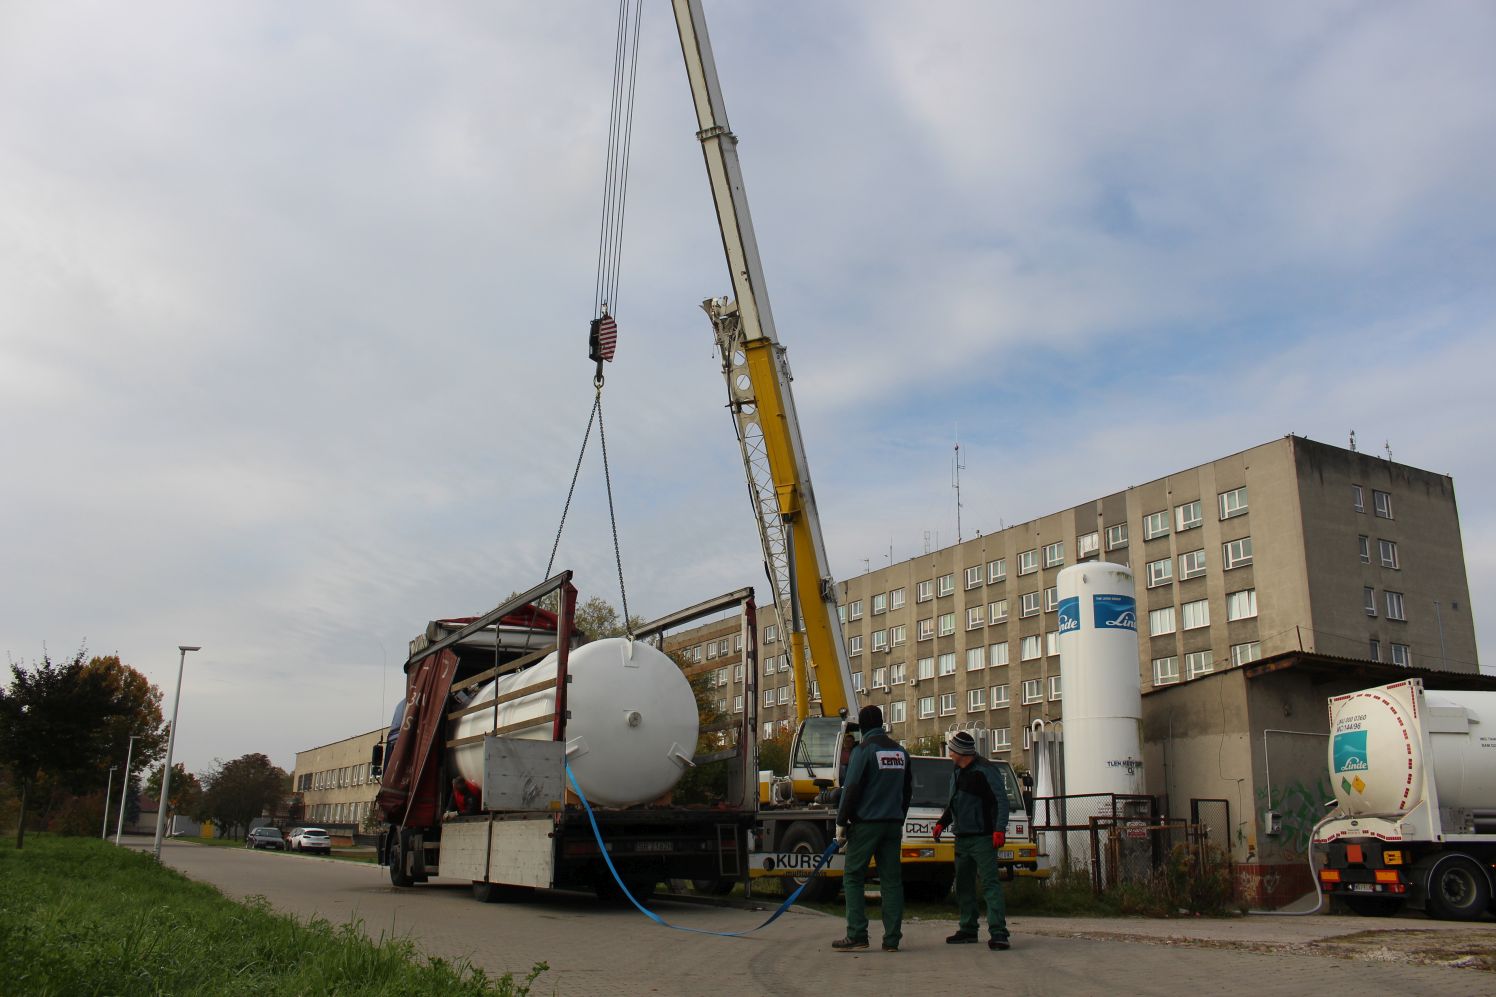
977, 815
870, 824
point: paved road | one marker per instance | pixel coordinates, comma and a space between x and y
598, 950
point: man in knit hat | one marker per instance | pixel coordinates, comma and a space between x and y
977, 816
870, 824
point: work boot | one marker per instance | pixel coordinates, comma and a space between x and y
849, 944
962, 938
997, 944
890, 946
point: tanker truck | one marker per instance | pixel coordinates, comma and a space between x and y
525, 756
1414, 824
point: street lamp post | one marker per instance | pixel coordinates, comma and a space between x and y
125, 789
108, 792
171, 741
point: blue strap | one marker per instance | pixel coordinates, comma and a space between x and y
825, 857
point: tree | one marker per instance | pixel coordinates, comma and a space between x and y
186, 789
237, 792
774, 753
137, 712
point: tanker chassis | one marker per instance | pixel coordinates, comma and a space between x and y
506, 726
1414, 774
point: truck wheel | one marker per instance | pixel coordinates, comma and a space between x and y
395, 852
805, 838
1373, 906
1457, 889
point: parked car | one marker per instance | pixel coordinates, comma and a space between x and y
310, 839
266, 837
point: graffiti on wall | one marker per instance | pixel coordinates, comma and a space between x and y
1302, 806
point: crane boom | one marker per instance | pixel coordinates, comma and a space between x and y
763, 406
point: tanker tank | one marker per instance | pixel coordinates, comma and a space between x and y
633, 724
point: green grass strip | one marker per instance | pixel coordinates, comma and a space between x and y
81, 917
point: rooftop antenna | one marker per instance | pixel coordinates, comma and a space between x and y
1353, 441
927, 541
1387, 445
956, 468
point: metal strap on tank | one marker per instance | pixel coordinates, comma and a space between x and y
825, 857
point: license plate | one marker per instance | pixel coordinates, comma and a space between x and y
654, 846
1005, 855
1363, 888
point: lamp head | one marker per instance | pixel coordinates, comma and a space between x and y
184, 647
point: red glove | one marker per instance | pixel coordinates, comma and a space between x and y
999, 838
939, 830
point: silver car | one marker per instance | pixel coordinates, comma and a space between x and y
310, 839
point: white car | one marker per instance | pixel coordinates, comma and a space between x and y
309, 839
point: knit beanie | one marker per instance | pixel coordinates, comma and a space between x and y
961, 743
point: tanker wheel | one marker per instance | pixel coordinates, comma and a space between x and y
395, 853
1458, 889
1373, 906
804, 838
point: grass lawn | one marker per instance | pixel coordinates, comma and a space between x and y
79, 916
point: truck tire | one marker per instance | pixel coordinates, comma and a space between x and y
395, 853
1457, 888
1373, 906
804, 837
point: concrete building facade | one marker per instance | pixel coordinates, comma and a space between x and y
336, 788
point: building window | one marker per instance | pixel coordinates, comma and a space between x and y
1195, 615
1033, 691
1197, 663
1381, 503
973, 577
1116, 536
696, 653
1001, 740
784, 694
976, 699
1087, 545
946, 584
898, 636
997, 570
1241, 605
1052, 643
926, 668
1155, 525
947, 703
1160, 572
1165, 670
1388, 550
1364, 543
999, 695
1161, 621
1369, 600
947, 663
711, 650
1395, 606
997, 654
947, 624
854, 645
1191, 565
926, 629
854, 611
1236, 553
1028, 562
841, 613
973, 617
880, 678
1401, 655
771, 633
1028, 648
858, 683
1051, 599
880, 603
1030, 604
976, 658
1234, 502
880, 640
897, 711
784, 662
924, 590
1187, 516
1243, 653
1054, 554
896, 599
926, 707
768, 697
1358, 501
1054, 688
997, 611
896, 674
1376, 649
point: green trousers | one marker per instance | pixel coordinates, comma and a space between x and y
881, 842
976, 859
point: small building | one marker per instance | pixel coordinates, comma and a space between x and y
335, 785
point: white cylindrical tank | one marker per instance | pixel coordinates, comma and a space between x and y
1099, 677
1378, 763
633, 723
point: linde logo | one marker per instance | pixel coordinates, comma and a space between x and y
1115, 612
1069, 614
1350, 751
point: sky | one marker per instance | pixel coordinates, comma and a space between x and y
294, 300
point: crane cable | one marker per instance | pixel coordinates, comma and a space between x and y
603, 333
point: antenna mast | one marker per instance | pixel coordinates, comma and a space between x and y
956, 468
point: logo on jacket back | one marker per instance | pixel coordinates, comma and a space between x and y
1116, 612
1070, 614
890, 761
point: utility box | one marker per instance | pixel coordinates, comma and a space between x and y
1272, 823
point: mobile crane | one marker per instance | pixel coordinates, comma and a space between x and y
798, 816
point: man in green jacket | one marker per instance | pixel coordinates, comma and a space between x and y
977, 815
870, 823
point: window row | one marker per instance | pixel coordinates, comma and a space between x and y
1381, 502
1394, 602
1197, 663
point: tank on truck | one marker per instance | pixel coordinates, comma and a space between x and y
768, 432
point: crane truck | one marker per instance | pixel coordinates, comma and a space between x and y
1414, 774
797, 816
